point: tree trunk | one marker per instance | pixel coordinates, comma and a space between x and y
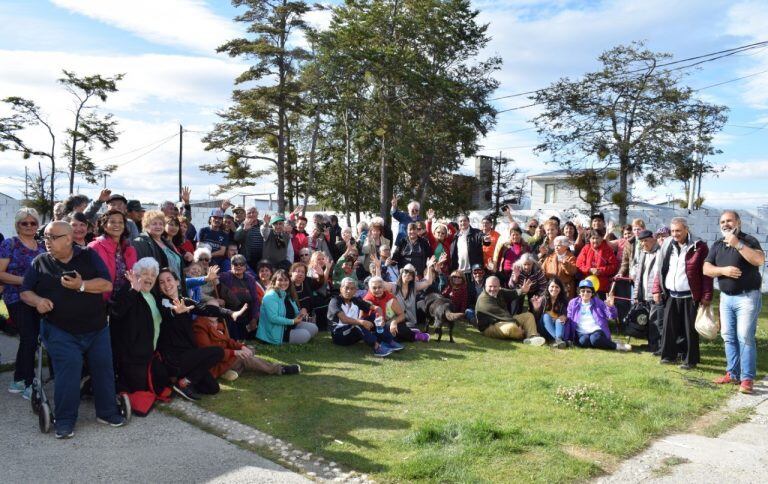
281, 117
385, 195
312, 151
73, 155
289, 169
348, 166
623, 185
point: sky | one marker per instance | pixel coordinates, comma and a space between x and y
173, 77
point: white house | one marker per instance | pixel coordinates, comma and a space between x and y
551, 191
8, 208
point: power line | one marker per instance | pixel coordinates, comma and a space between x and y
729, 52
137, 149
146, 153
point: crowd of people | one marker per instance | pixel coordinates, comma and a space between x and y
133, 300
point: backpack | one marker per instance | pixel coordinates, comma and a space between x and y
637, 319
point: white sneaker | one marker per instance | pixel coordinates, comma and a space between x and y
623, 347
534, 341
230, 375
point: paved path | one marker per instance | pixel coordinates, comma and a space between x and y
158, 448
739, 455
8, 346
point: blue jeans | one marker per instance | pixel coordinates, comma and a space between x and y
66, 351
738, 316
598, 339
350, 334
550, 327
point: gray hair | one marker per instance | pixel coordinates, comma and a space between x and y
679, 221
527, 257
238, 259
26, 212
167, 203
347, 281
202, 249
147, 264
562, 240
383, 247
346, 230
414, 203
732, 212
372, 281
377, 221
59, 211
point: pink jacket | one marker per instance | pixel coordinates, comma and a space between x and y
106, 248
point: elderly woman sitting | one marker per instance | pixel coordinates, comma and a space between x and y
561, 264
351, 319
143, 323
527, 269
237, 288
279, 311
588, 317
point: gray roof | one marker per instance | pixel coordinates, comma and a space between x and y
550, 174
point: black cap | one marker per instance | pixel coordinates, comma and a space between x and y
476, 267
644, 234
116, 196
597, 215
135, 206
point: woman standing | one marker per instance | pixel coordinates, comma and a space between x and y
174, 234
152, 243
80, 226
508, 253
115, 250
16, 255
561, 264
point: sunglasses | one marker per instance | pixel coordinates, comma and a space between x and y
204, 259
304, 255
238, 264
586, 290
28, 224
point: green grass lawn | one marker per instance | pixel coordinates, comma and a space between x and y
480, 410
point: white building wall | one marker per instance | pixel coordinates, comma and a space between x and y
8, 208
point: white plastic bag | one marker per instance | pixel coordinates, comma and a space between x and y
706, 324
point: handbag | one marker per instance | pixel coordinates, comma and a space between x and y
706, 324
636, 320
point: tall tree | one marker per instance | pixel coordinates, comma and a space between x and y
629, 116
507, 181
89, 128
26, 114
254, 129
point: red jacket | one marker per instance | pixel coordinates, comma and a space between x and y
106, 247
603, 259
206, 334
701, 285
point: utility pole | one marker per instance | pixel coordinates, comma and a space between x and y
181, 146
104, 175
26, 183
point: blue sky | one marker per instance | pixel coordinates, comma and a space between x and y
173, 75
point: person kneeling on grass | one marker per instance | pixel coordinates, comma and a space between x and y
588, 319
494, 319
211, 331
350, 317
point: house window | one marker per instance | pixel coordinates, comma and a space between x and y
549, 193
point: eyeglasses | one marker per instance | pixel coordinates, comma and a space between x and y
52, 238
203, 259
303, 255
585, 290
238, 264
28, 224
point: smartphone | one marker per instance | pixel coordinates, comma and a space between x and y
71, 274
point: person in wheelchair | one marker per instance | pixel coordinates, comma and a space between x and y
65, 285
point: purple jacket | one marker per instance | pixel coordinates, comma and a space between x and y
600, 312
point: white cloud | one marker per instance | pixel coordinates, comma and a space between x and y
181, 23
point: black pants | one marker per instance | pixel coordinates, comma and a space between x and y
28, 323
194, 365
679, 336
655, 326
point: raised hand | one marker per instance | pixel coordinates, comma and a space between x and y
213, 273
536, 302
236, 315
267, 218
134, 280
104, 195
394, 201
185, 195
430, 214
527, 284
609, 299
431, 261
179, 307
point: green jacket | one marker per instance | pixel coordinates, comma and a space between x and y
491, 310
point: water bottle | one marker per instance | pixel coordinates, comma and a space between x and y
379, 322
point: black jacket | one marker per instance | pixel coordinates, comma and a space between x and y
176, 336
474, 248
146, 247
416, 254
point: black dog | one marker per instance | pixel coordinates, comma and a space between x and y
437, 308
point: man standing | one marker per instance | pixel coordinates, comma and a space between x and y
276, 241
215, 237
645, 273
404, 219
495, 321
681, 283
467, 248
65, 285
135, 212
248, 235
734, 260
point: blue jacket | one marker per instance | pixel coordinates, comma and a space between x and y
272, 320
404, 219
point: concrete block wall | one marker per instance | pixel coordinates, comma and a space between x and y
8, 209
